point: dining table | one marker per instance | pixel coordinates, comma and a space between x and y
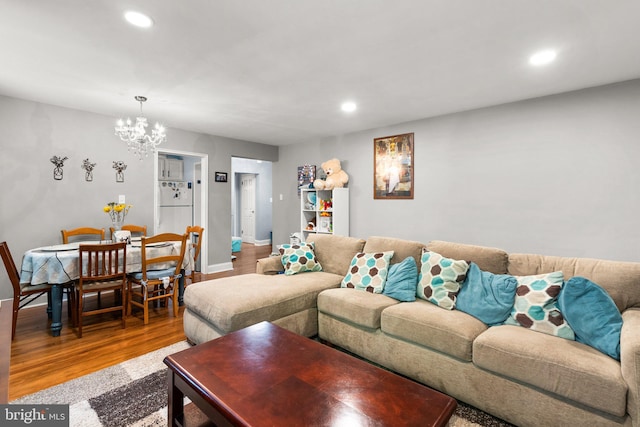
58, 265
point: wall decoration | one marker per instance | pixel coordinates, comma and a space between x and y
306, 176
393, 167
120, 167
88, 169
221, 177
59, 163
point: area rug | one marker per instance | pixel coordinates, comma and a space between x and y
134, 393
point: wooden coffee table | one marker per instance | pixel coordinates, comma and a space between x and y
265, 375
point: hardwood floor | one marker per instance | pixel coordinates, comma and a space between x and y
39, 361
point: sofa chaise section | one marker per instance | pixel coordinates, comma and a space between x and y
217, 307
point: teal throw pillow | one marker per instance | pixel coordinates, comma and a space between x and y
592, 315
402, 280
368, 271
486, 296
299, 258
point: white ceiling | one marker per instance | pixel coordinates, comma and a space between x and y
276, 71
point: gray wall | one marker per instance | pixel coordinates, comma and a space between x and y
556, 175
263, 172
34, 207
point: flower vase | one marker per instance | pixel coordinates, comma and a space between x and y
117, 226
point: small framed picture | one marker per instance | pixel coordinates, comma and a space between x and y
221, 177
306, 175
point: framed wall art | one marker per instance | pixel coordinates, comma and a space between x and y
393, 167
221, 177
306, 175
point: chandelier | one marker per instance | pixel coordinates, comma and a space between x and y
135, 135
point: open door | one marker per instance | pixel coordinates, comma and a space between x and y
248, 208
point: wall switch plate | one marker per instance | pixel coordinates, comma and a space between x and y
281, 197
121, 198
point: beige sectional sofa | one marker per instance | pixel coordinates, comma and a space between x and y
527, 378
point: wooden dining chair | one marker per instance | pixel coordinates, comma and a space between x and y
25, 293
94, 233
136, 230
160, 272
197, 232
102, 268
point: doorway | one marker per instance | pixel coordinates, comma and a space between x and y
247, 226
197, 167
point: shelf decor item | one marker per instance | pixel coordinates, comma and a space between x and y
393, 167
59, 163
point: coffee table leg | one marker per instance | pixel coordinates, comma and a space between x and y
175, 406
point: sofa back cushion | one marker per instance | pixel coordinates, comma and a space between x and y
401, 248
488, 259
620, 279
335, 252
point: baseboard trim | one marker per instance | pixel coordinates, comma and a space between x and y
217, 268
262, 242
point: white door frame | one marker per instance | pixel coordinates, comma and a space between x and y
204, 209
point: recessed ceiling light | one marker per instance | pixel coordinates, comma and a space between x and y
349, 107
138, 19
543, 57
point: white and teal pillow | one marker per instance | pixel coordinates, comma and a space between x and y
536, 305
440, 279
368, 271
299, 258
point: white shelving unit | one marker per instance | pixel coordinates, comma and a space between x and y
329, 213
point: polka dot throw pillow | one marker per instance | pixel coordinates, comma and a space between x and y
368, 271
536, 305
299, 258
440, 279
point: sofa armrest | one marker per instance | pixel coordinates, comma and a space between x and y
630, 360
270, 265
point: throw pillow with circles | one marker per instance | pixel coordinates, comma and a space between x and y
299, 258
440, 279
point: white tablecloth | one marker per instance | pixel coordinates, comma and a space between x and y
59, 264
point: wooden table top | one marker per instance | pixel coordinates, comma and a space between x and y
266, 375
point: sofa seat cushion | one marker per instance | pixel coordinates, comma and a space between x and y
566, 368
355, 306
232, 303
448, 331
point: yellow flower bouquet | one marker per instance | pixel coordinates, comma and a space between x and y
117, 212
